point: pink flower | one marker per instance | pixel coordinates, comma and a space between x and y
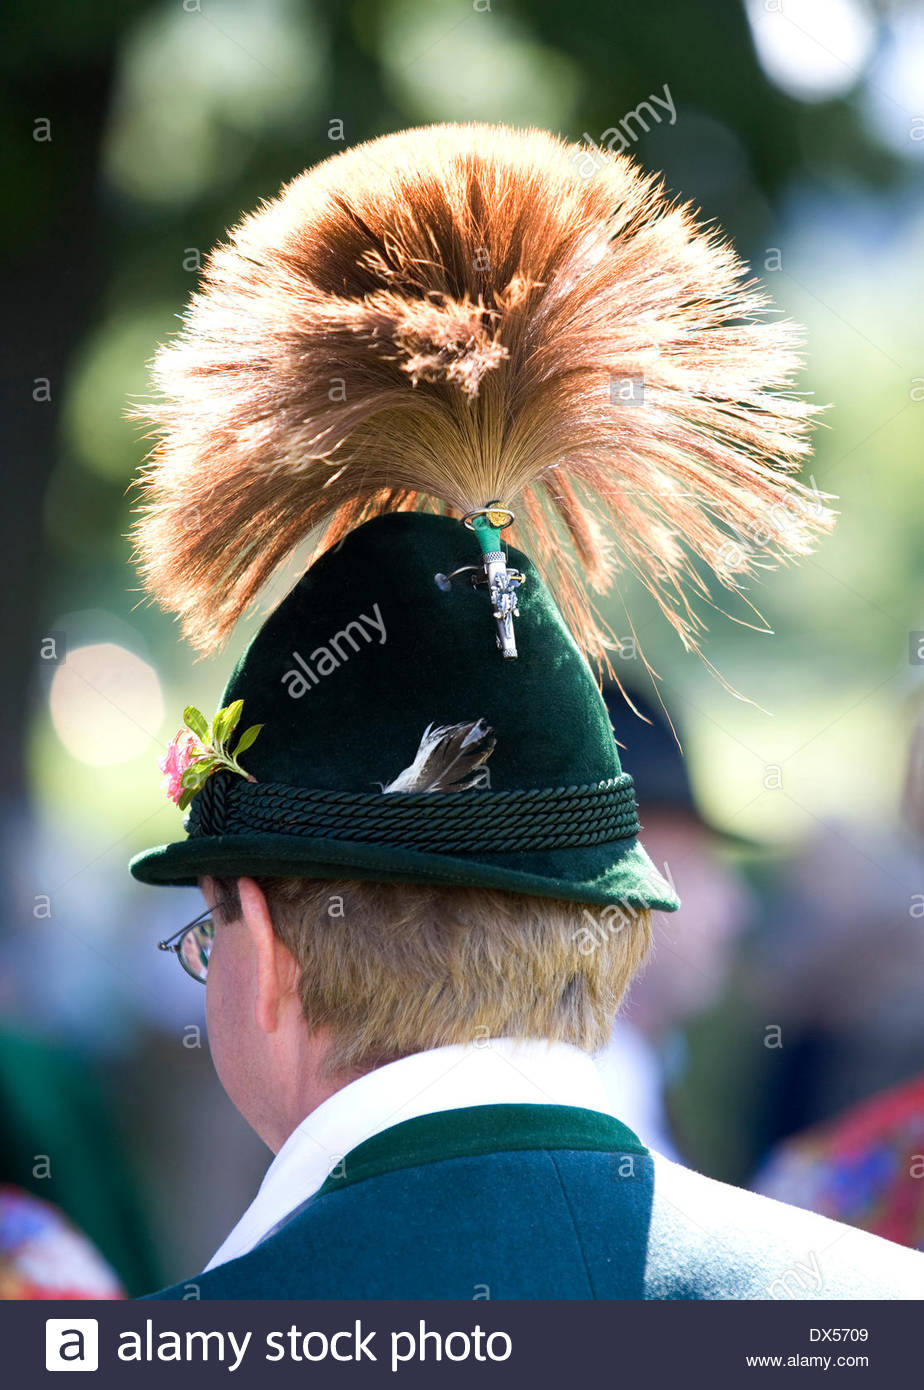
183, 751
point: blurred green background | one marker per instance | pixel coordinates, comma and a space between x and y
133, 137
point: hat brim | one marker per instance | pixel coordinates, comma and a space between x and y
617, 872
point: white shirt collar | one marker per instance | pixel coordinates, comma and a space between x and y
497, 1071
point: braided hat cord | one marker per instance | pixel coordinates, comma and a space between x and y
438, 822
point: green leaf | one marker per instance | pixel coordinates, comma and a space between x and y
185, 798
195, 720
197, 774
247, 738
225, 722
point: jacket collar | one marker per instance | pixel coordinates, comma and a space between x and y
481, 1129
497, 1072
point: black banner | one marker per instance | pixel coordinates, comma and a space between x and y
264, 1344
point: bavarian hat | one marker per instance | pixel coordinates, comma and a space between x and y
424, 349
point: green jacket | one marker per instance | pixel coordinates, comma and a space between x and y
547, 1201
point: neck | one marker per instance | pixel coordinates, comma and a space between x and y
305, 1081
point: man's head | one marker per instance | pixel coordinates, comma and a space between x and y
313, 983
487, 297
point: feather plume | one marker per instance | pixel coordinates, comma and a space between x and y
449, 759
458, 314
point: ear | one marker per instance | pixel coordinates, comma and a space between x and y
277, 969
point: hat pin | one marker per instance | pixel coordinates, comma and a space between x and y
502, 581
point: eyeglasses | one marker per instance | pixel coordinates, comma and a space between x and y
193, 945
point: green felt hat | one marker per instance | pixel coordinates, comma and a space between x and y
372, 650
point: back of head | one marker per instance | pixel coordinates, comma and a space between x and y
390, 969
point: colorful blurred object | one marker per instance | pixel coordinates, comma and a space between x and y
42, 1256
58, 1134
866, 1168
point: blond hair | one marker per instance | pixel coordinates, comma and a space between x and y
390, 969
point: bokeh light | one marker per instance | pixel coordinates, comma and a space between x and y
812, 49
106, 704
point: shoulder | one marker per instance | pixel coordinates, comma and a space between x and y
559, 1224
718, 1241
446, 1229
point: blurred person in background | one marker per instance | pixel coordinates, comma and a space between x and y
839, 969
71, 1211
690, 962
866, 1167
851, 992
